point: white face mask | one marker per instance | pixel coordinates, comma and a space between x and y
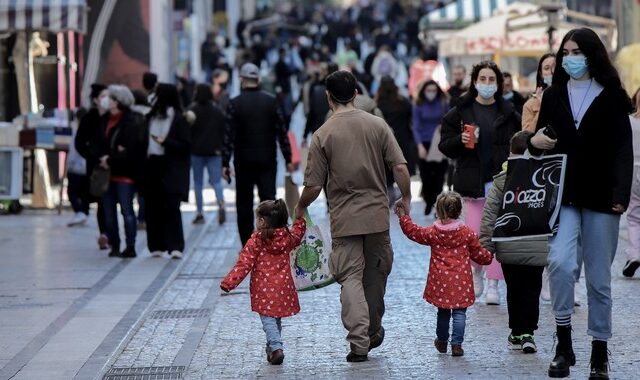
430, 96
105, 103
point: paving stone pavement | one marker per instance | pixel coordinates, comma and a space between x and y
227, 342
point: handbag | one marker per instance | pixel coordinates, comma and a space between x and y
532, 197
310, 260
99, 181
100, 177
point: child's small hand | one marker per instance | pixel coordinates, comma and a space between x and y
399, 209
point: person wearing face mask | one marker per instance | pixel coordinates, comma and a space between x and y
429, 107
586, 111
87, 143
511, 95
479, 157
544, 78
121, 151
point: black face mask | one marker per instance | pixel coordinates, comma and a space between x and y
223, 85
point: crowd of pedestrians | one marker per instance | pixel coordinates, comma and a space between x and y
398, 117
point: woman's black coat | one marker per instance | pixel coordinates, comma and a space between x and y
599, 153
177, 158
468, 176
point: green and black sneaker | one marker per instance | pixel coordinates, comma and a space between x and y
528, 344
515, 342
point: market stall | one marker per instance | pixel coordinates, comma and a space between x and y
520, 30
34, 24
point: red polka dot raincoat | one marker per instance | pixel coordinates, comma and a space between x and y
450, 282
273, 293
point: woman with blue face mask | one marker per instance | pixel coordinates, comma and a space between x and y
588, 110
544, 78
494, 120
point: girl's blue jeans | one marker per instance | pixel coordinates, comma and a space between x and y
273, 328
459, 317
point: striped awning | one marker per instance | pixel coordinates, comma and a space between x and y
467, 10
50, 15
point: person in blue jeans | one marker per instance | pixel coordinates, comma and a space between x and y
585, 115
207, 135
450, 283
123, 154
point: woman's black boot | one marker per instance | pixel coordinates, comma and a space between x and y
599, 360
565, 358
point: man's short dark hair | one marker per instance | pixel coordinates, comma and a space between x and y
342, 86
461, 67
519, 142
149, 81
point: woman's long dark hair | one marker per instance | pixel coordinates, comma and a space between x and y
473, 91
600, 67
539, 77
166, 96
388, 92
202, 95
420, 98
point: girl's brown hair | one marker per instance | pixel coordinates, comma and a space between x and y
449, 205
275, 216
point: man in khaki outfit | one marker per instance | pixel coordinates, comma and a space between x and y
348, 155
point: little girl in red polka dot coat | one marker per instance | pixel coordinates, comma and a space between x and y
266, 255
450, 283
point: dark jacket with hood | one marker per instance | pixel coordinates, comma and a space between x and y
599, 152
468, 176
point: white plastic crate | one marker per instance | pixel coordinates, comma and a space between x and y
10, 173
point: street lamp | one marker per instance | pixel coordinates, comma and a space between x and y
552, 10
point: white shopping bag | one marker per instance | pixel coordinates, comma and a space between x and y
310, 260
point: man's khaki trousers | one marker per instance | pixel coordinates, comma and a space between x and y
361, 265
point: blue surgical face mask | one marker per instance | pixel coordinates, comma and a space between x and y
575, 65
508, 95
547, 79
486, 91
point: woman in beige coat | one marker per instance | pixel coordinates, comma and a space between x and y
546, 67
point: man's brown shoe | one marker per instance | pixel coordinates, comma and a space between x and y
441, 346
276, 357
456, 350
355, 358
376, 339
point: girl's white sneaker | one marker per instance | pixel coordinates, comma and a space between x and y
176, 254
156, 254
493, 297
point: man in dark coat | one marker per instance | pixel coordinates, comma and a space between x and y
254, 125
